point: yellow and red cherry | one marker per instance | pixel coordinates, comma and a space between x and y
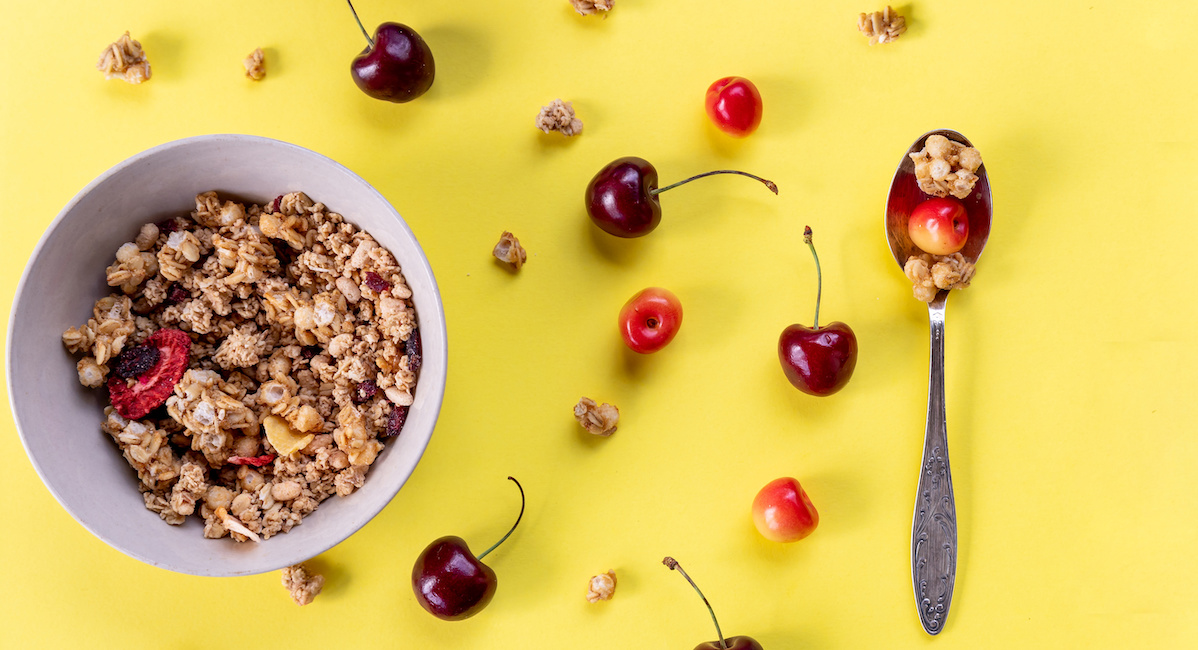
650, 319
818, 360
939, 226
783, 512
730, 643
450, 582
622, 198
734, 106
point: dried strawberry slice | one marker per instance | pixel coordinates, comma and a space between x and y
153, 386
256, 461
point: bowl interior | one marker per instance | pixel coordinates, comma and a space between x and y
59, 420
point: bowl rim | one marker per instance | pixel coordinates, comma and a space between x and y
437, 389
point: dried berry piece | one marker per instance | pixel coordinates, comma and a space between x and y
309, 351
177, 294
135, 361
376, 282
395, 422
274, 206
256, 461
167, 226
364, 391
414, 350
152, 387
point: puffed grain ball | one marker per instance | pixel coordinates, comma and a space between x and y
601, 587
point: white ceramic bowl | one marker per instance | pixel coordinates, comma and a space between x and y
59, 420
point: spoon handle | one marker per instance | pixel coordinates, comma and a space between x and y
934, 529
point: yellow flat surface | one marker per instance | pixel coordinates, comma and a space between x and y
1071, 360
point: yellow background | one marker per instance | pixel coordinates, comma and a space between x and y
1070, 360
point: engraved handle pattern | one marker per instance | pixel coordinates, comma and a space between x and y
934, 529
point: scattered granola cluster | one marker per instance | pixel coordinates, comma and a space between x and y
257, 358
931, 273
124, 59
946, 167
255, 65
601, 587
559, 116
302, 585
599, 419
588, 7
882, 26
509, 251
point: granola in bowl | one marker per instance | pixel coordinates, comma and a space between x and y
257, 359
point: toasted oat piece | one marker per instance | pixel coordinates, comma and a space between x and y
588, 7
302, 585
559, 116
601, 587
255, 65
509, 251
599, 419
124, 59
882, 26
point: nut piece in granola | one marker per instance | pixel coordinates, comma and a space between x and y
588, 7
301, 584
601, 587
559, 116
931, 273
509, 251
124, 59
946, 167
599, 419
255, 65
882, 26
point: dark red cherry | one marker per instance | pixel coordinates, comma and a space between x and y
397, 65
818, 360
622, 198
450, 582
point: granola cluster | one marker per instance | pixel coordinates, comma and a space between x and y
601, 587
946, 167
588, 7
509, 251
303, 360
255, 65
931, 273
303, 585
599, 419
882, 26
559, 116
124, 59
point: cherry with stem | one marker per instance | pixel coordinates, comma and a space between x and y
450, 582
731, 643
623, 198
818, 360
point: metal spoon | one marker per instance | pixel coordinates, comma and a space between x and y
934, 528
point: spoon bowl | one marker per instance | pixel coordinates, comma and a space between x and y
934, 524
905, 195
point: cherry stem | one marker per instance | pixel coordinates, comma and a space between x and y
769, 184
518, 518
819, 282
673, 564
360, 25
